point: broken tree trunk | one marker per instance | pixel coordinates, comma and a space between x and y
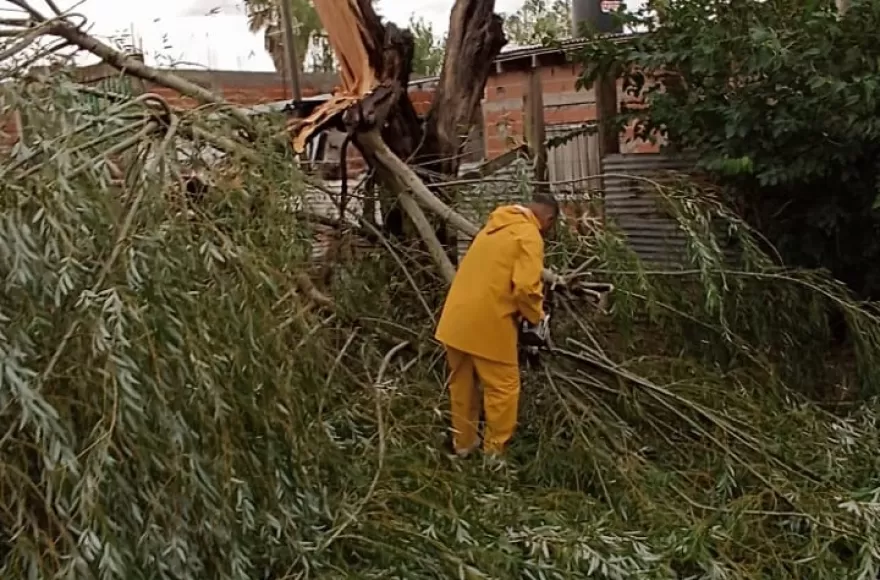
376, 62
372, 54
385, 105
374, 99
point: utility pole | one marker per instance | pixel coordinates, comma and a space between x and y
290, 48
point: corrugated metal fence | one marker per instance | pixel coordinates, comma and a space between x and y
633, 204
508, 185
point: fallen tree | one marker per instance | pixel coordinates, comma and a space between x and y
167, 384
174, 405
375, 66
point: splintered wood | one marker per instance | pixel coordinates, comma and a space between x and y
343, 21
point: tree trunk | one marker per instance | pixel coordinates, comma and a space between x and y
475, 38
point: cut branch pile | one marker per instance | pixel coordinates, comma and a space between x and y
178, 400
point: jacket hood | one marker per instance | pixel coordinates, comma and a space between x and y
508, 215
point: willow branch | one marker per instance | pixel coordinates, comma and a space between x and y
72, 34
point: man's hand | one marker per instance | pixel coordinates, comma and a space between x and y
536, 334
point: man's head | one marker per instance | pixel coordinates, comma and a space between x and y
546, 209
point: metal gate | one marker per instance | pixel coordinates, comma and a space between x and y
574, 159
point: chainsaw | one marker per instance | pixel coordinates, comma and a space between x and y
533, 338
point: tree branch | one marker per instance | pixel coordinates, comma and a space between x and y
138, 69
429, 237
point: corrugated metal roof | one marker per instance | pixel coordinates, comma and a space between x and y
512, 52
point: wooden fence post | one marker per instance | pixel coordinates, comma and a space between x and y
533, 105
606, 110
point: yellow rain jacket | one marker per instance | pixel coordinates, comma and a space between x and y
499, 278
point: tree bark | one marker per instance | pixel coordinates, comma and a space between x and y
475, 38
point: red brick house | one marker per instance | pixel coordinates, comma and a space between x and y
564, 106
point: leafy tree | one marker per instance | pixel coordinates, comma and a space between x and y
428, 50
264, 16
538, 22
312, 47
780, 100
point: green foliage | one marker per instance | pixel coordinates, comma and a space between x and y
538, 22
706, 310
428, 50
780, 100
265, 16
173, 407
120, 85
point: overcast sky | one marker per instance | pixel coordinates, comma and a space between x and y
213, 33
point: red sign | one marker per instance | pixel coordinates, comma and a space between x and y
610, 5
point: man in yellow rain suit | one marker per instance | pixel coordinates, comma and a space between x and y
498, 281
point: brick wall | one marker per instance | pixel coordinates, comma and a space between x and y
503, 107
255, 88
242, 88
238, 87
8, 132
246, 88
628, 144
421, 100
503, 104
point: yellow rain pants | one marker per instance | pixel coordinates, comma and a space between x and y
500, 400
